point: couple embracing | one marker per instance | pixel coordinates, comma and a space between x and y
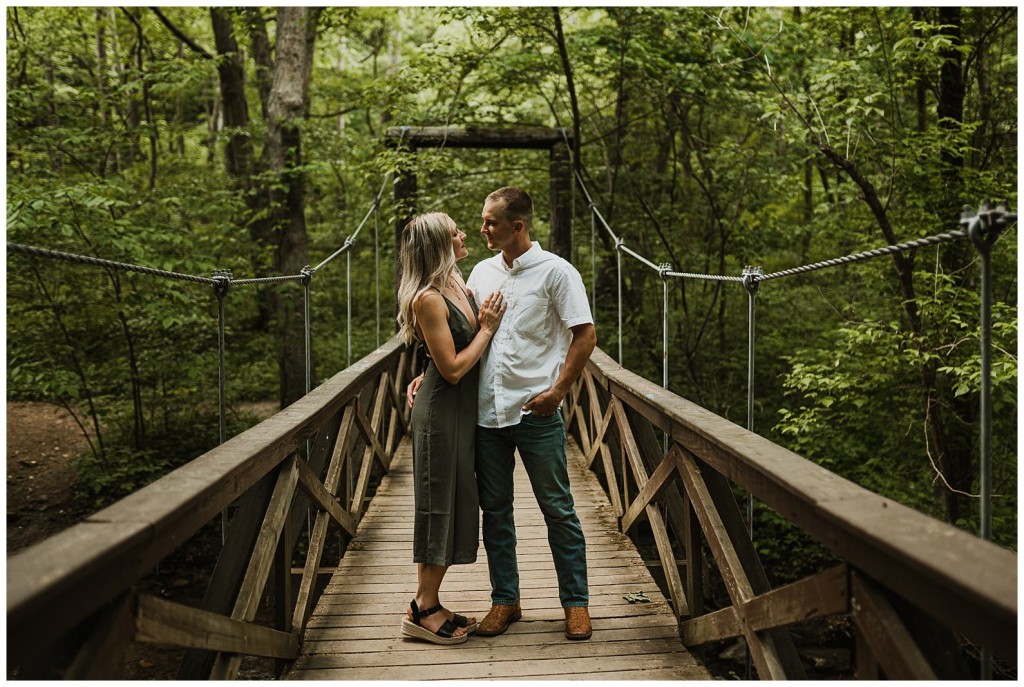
496, 377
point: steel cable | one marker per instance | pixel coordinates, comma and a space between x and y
869, 254
87, 260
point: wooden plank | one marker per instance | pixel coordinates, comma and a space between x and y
609, 474
629, 444
340, 455
229, 572
677, 514
711, 627
668, 561
606, 421
473, 652
373, 449
651, 491
323, 498
396, 643
534, 631
824, 594
963, 581
164, 622
262, 554
694, 558
891, 644
373, 427
225, 667
571, 399
584, 431
477, 136
356, 622
281, 592
143, 528
661, 538
778, 640
767, 662
520, 669
101, 657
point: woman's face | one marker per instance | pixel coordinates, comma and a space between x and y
459, 243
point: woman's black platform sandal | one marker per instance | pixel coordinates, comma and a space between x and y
461, 621
444, 634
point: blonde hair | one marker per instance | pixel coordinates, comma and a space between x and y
428, 260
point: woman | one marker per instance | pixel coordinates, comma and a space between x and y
435, 308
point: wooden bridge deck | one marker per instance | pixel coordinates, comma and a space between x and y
354, 633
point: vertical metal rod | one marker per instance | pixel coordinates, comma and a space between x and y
750, 275
222, 281
376, 260
664, 343
348, 299
593, 263
307, 330
984, 232
750, 393
618, 266
986, 395
664, 333
986, 421
309, 340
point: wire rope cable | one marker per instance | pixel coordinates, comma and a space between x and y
34, 251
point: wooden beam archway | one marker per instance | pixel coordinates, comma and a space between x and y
556, 141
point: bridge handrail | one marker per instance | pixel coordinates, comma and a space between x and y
961, 580
63, 580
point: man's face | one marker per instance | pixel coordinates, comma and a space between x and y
496, 228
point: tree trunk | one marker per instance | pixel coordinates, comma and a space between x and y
101, 81
231, 72
283, 194
260, 43
956, 459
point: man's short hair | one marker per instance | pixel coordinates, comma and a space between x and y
518, 204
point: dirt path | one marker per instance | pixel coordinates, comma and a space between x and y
42, 441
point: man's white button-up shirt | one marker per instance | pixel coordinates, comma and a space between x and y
546, 297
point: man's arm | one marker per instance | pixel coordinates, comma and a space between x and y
584, 339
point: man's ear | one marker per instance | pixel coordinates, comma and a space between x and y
518, 225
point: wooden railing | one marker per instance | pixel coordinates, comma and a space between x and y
71, 603
909, 582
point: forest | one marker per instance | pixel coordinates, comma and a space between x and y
193, 139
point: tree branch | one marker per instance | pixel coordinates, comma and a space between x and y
180, 35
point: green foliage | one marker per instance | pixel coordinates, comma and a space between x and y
701, 135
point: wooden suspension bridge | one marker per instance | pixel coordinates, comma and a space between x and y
911, 586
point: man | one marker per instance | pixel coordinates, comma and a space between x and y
539, 350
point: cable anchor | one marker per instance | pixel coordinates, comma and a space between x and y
663, 269
751, 277
985, 226
307, 274
221, 282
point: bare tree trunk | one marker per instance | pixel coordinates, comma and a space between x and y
101, 81
284, 195
261, 55
231, 72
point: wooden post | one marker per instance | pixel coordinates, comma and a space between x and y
283, 591
560, 240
